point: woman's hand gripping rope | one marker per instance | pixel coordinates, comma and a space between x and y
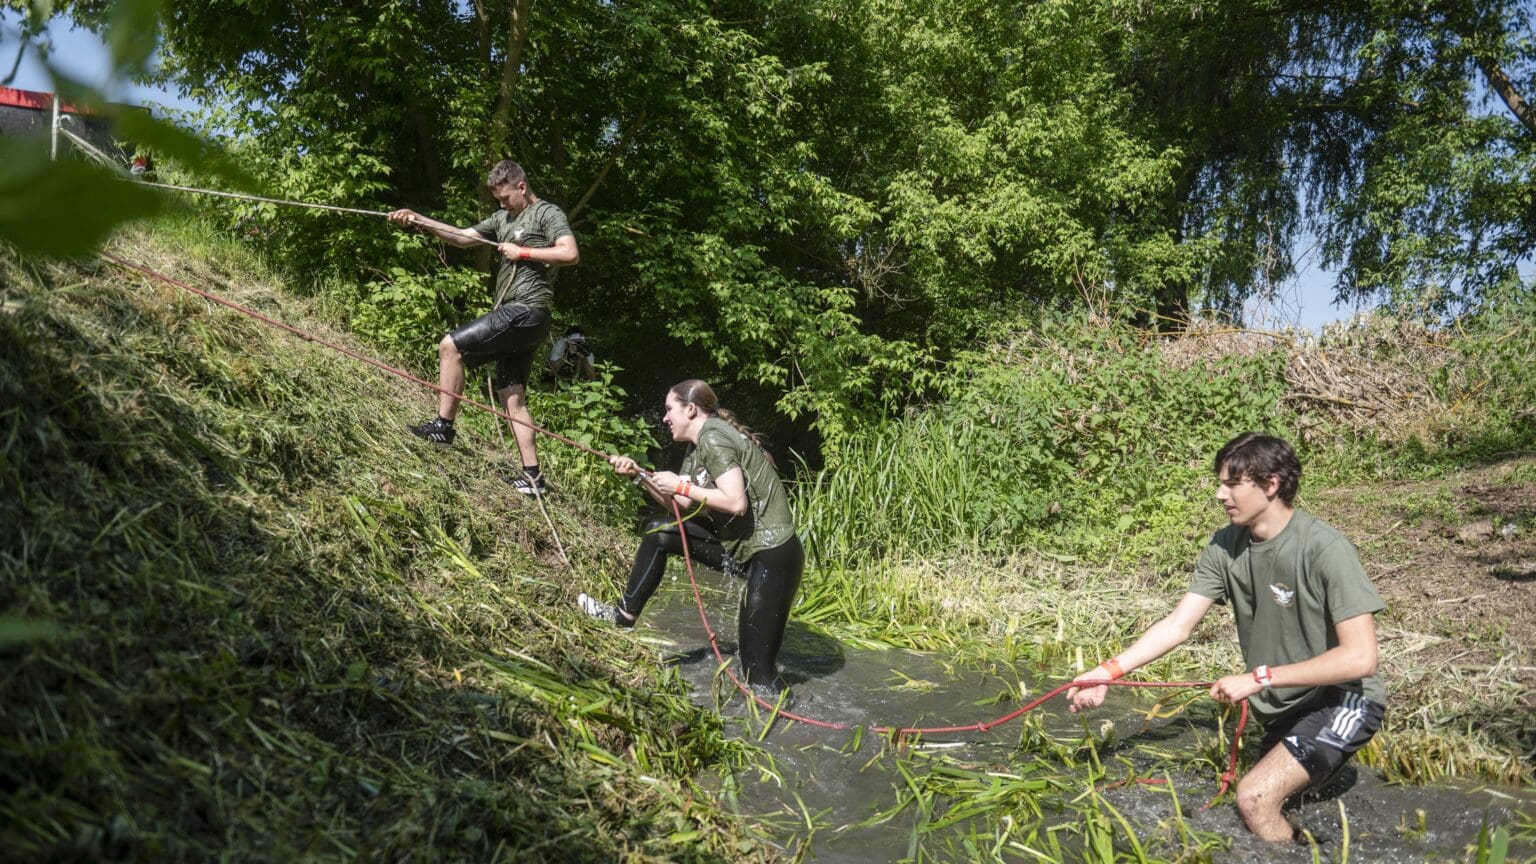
661, 486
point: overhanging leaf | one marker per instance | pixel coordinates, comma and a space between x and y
62, 208
19, 631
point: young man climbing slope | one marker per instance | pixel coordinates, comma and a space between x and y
1305, 622
532, 236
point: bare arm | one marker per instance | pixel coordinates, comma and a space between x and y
1169, 633
460, 237
563, 254
1353, 658
728, 496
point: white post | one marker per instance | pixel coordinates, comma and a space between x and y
54, 152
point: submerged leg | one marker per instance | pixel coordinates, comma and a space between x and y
1263, 790
773, 577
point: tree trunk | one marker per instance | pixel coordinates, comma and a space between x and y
1463, 23
1499, 83
511, 72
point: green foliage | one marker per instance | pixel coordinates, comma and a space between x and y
592, 413
20, 631
1004, 177
408, 312
1079, 439
1435, 195
821, 203
1377, 127
1498, 343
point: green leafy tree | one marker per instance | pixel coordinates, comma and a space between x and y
821, 203
1397, 133
666, 133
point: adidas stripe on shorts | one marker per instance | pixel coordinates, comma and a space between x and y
1326, 731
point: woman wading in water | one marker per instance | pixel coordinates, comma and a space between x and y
746, 526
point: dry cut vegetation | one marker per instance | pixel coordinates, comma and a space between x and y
247, 616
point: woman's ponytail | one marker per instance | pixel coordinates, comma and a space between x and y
696, 392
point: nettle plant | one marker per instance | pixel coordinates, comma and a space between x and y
407, 313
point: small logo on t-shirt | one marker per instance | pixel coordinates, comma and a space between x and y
517, 234
1284, 594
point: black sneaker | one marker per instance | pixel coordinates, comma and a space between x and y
529, 485
437, 430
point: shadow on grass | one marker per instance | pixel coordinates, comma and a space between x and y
256, 671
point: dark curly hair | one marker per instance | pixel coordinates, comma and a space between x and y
1259, 457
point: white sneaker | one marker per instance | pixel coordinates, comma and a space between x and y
597, 608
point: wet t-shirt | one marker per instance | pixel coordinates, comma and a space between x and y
1286, 594
526, 283
767, 522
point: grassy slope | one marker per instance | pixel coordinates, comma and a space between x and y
285, 629
292, 631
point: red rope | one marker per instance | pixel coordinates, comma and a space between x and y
1226, 778
985, 726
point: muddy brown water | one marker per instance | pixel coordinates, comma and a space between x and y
841, 783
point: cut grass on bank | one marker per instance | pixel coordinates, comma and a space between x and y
283, 628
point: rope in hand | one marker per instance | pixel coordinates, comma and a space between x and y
986, 726
1227, 776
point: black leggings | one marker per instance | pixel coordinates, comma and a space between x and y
773, 576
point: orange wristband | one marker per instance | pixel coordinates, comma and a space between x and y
683, 488
1112, 666
524, 253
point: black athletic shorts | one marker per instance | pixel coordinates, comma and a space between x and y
1326, 731
507, 335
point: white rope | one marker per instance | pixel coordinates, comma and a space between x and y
114, 163
379, 213
238, 195
90, 150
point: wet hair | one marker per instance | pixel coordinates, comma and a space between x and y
1259, 457
696, 392
505, 173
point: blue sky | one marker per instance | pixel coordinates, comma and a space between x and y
1305, 300
79, 54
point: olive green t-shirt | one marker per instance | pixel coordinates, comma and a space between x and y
767, 522
526, 283
1286, 594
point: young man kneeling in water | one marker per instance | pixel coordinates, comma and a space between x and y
1305, 621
